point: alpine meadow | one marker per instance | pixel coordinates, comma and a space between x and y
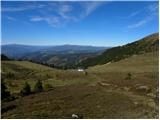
79, 60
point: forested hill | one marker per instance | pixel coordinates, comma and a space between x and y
3, 57
147, 44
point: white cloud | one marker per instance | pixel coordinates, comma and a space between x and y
64, 13
135, 13
56, 14
11, 18
24, 8
51, 20
140, 23
152, 12
36, 18
89, 7
64, 10
13, 9
153, 7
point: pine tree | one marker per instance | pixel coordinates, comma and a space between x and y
4, 93
38, 86
26, 89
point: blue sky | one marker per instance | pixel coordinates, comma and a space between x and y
79, 23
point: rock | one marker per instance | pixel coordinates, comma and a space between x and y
108, 63
152, 104
98, 106
138, 85
151, 95
126, 88
93, 85
156, 116
74, 116
115, 86
77, 116
143, 88
135, 103
104, 84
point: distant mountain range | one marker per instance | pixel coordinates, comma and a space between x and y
64, 55
147, 44
73, 56
19, 51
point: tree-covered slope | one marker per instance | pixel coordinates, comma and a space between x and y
147, 44
3, 57
17, 51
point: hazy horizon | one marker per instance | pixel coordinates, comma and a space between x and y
54, 45
69, 44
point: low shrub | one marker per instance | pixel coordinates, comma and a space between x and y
38, 86
48, 86
4, 93
10, 75
26, 90
129, 76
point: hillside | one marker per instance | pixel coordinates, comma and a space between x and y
16, 73
17, 51
105, 90
135, 64
61, 60
147, 44
3, 57
63, 56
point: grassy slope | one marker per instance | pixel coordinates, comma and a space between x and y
137, 64
91, 102
22, 71
75, 92
147, 44
143, 69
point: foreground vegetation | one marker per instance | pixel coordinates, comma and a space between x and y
123, 89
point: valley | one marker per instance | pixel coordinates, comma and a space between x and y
62, 56
124, 89
79, 59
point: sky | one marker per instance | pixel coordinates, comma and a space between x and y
78, 23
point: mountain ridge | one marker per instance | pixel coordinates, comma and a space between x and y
149, 43
17, 51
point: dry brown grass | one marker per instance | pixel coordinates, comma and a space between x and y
91, 102
102, 93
